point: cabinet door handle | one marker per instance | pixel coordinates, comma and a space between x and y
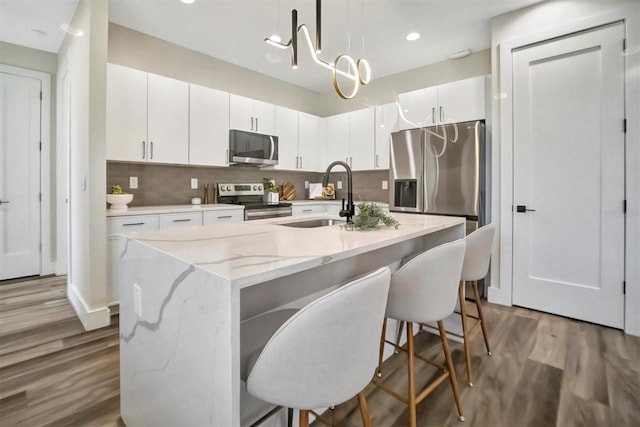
377, 162
225, 216
151, 144
2, 202
351, 161
182, 220
251, 123
300, 162
144, 149
433, 115
256, 124
226, 156
441, 115
307, 210
133, 223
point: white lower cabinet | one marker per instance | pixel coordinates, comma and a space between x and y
116, 227
307, 209
213, 217
180, 219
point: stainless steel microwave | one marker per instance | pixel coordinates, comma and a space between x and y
252, 148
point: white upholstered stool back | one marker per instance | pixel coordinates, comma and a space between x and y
326, 353
476, 259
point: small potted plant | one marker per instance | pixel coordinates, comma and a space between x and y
118, 199
371, 217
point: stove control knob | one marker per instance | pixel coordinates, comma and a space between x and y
259, 188
228, 188
255, 188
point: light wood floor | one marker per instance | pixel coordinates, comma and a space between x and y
545, 370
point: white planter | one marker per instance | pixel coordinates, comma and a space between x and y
118, 202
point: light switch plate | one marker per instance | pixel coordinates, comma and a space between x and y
306, 185
137, 300
194, 183
385, 185
133, 182
339, 185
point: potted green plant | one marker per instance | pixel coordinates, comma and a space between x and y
371, 217
118, 199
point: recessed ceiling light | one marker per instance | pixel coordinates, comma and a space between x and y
275, 38
413, 36
188, 1
67, 29
37, 33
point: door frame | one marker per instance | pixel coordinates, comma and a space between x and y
501, 287
47, 261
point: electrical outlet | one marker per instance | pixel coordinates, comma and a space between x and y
385, 185
194, 183
306, 185
137, 300
339, 185
133, 182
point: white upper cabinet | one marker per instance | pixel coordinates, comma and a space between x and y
251, 115
418, 108
168, 120
286, 129
337, 139
311, 143
208, 126
462, 101
386, 119
351, 138
458, 101
147, 117
361, 139
126, 113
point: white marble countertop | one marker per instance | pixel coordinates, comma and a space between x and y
248, 253
151, 210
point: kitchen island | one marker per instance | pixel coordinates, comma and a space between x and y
184, 293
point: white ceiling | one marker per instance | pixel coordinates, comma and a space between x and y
234, 30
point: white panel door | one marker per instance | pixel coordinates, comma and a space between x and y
569, 174
126, 114
208, 126
362, 139
286, 129
19, 176
168, 120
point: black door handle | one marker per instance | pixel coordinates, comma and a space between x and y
523, 208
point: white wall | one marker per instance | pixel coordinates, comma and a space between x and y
85, 58
536, 23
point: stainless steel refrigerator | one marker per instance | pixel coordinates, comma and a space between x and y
440, 170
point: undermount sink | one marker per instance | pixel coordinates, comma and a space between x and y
313, 223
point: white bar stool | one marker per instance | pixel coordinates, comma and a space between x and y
424, 290
321, 355
475, 267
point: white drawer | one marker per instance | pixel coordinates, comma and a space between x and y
185, 219
213, 217
308, 209
128, 224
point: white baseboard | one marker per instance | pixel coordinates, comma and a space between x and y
91, 319
499, 296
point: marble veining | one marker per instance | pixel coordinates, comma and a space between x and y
153, 326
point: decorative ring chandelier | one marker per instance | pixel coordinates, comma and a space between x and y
358, 72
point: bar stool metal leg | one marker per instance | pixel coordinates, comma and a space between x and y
364, 410
452, 372
412, 379
485, 334
465, 332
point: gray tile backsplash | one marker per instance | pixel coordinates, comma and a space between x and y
171, 184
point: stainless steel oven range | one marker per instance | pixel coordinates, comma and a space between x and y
251, 196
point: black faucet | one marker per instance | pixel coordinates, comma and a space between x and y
350, 210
